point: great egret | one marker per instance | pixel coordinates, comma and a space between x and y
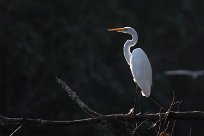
138, 61
193, 74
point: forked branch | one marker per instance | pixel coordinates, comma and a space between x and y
97, 118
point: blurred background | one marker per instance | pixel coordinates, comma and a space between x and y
41, 40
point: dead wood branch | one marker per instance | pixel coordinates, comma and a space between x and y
77, 100
100, 119
191, 115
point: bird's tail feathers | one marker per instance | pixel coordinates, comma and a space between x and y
144, 94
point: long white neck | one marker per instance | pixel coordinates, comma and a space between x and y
128, 44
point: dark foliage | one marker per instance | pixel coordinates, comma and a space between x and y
42, 39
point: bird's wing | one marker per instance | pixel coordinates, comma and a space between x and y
141, 70
179, 72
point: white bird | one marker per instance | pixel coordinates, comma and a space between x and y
193, 74
138, 61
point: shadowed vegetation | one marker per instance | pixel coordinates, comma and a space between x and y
41, 39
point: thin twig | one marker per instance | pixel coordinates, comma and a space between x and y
165, 118
160, 123
174, 123
16, 130
135, 129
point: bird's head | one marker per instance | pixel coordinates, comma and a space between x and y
128, 30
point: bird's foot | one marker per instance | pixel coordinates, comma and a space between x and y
131, 111
140, 113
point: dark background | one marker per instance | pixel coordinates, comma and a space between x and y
44, 39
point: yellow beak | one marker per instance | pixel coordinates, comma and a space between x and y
117, 29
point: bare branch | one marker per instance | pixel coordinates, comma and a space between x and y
77, 100
191, 115
97, 118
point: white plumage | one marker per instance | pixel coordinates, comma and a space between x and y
138, 61
141, 70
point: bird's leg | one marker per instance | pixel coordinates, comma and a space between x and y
136, 95
141, 102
